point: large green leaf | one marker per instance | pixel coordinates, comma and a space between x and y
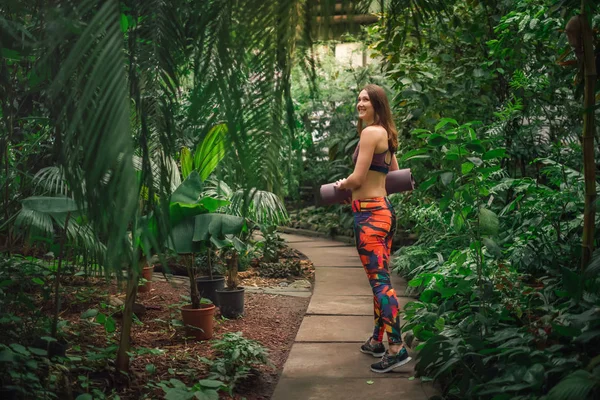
416, 153
467, 167
181, 211
211, 151
444, 121
187, 163
51, 205
186, 201
488, 221
476, 146
217, 225
496, 153
446, 177
535, 375
189, 191
178, 394
437, 140
211, 383
182, 238
575, 386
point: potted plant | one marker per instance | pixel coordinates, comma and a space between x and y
208, 285
197, 316
194, 223
203, 161
231, 299
221, 230
147, 272
257, 207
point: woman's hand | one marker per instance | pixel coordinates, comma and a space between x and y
341, 184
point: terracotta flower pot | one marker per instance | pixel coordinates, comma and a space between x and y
147, 272
201, 319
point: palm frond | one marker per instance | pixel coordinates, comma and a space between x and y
89, 102
218, 189
264, 208
34, 223
51, 180
82, 235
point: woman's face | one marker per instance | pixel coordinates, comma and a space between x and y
364, 107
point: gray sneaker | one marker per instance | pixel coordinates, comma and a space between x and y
376, 350
389, 362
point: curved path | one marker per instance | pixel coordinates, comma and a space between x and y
325, 362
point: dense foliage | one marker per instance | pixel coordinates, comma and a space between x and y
489, 108
121, 119
491, 123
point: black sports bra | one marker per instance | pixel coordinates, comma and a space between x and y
377, 163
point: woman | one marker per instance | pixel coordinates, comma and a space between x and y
375, 222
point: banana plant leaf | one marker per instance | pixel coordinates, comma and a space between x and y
189, 191
187, 162
220, 243
185, 202
181, 240
181, 211
239, 245
229, 241
217, 225
211, 151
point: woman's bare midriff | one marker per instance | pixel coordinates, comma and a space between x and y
374, 186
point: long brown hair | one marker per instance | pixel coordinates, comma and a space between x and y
383, 115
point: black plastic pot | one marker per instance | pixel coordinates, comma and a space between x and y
8, 394
208, 287
231, 302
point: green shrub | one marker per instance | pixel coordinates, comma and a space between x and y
206, 389
236, 358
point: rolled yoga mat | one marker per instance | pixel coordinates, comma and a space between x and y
397, 181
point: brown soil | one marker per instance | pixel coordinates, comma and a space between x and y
272, 320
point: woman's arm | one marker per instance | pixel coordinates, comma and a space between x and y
394, 166
368, 141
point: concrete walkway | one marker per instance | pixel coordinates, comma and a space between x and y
325, 362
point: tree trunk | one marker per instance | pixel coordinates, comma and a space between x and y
194, 293
133, 277
232, 271
63, 239
210, 268
588, 139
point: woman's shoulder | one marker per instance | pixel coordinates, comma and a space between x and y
373, 132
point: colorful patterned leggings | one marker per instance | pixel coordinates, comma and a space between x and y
374, 226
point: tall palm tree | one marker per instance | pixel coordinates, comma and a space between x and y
122, 84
